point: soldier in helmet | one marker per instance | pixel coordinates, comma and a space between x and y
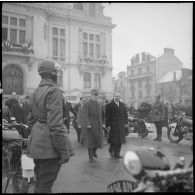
49, 144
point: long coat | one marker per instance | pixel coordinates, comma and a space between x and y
48, 134
116, 118
80, 122
93, 115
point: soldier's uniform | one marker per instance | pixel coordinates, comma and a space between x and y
48, 139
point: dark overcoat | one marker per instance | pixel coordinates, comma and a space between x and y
93, 115
116, 118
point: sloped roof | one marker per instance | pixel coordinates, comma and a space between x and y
170, 76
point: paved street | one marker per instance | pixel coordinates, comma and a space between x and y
81, 176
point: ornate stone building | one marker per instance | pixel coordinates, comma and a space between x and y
166, 63
76, 35
120, 85
176, 86
141, 79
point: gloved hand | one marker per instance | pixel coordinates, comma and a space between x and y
65, 156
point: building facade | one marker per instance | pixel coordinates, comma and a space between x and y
166, 63
76, 35
141, 79
176, 86
120, 85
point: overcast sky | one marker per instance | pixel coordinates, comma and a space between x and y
150, 27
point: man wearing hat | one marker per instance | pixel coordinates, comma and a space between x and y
94, 122
49, 144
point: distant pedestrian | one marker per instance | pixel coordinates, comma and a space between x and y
5, 112
13, 100
75, 124
67, 108
116, 122
80, 121
94, 122
157, 115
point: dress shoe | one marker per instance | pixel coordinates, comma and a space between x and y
159, 139
111, 154
95, 154
156, 139
91, 160
117, 157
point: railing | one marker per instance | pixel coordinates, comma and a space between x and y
102, 60
8, 46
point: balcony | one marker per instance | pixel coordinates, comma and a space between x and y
9, 47
89, 60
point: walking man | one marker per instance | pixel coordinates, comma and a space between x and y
94, 122
116, 121
49, 142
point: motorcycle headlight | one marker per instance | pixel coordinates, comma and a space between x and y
132, 163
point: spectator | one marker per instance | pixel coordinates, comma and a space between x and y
12, 100
5, 112
157, 115
75, 124
67, 108
80, 121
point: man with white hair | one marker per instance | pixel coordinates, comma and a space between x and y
116, 121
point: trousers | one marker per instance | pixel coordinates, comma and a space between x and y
158, 125
46, 171
115, 148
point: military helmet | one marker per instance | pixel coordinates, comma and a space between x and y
48, 66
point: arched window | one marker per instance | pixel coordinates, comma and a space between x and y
12, 79
87, 80
97, 80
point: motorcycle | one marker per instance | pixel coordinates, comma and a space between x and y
178, 129
140, 126
151, 172
17, 166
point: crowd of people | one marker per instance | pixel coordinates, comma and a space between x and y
47, 113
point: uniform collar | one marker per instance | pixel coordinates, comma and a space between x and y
46, 82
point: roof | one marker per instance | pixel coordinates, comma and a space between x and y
170, 76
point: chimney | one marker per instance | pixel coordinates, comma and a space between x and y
137, 58
168, 51
132, 61
143, 56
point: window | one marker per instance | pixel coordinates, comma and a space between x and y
140, 83
140, 70
132, 72
91, 45
147, 69
97, 79
87, 80
78, 6
92, 9
59, 42
14, 29
140, 94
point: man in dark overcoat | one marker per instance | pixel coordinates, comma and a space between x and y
116, 121
94, 122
